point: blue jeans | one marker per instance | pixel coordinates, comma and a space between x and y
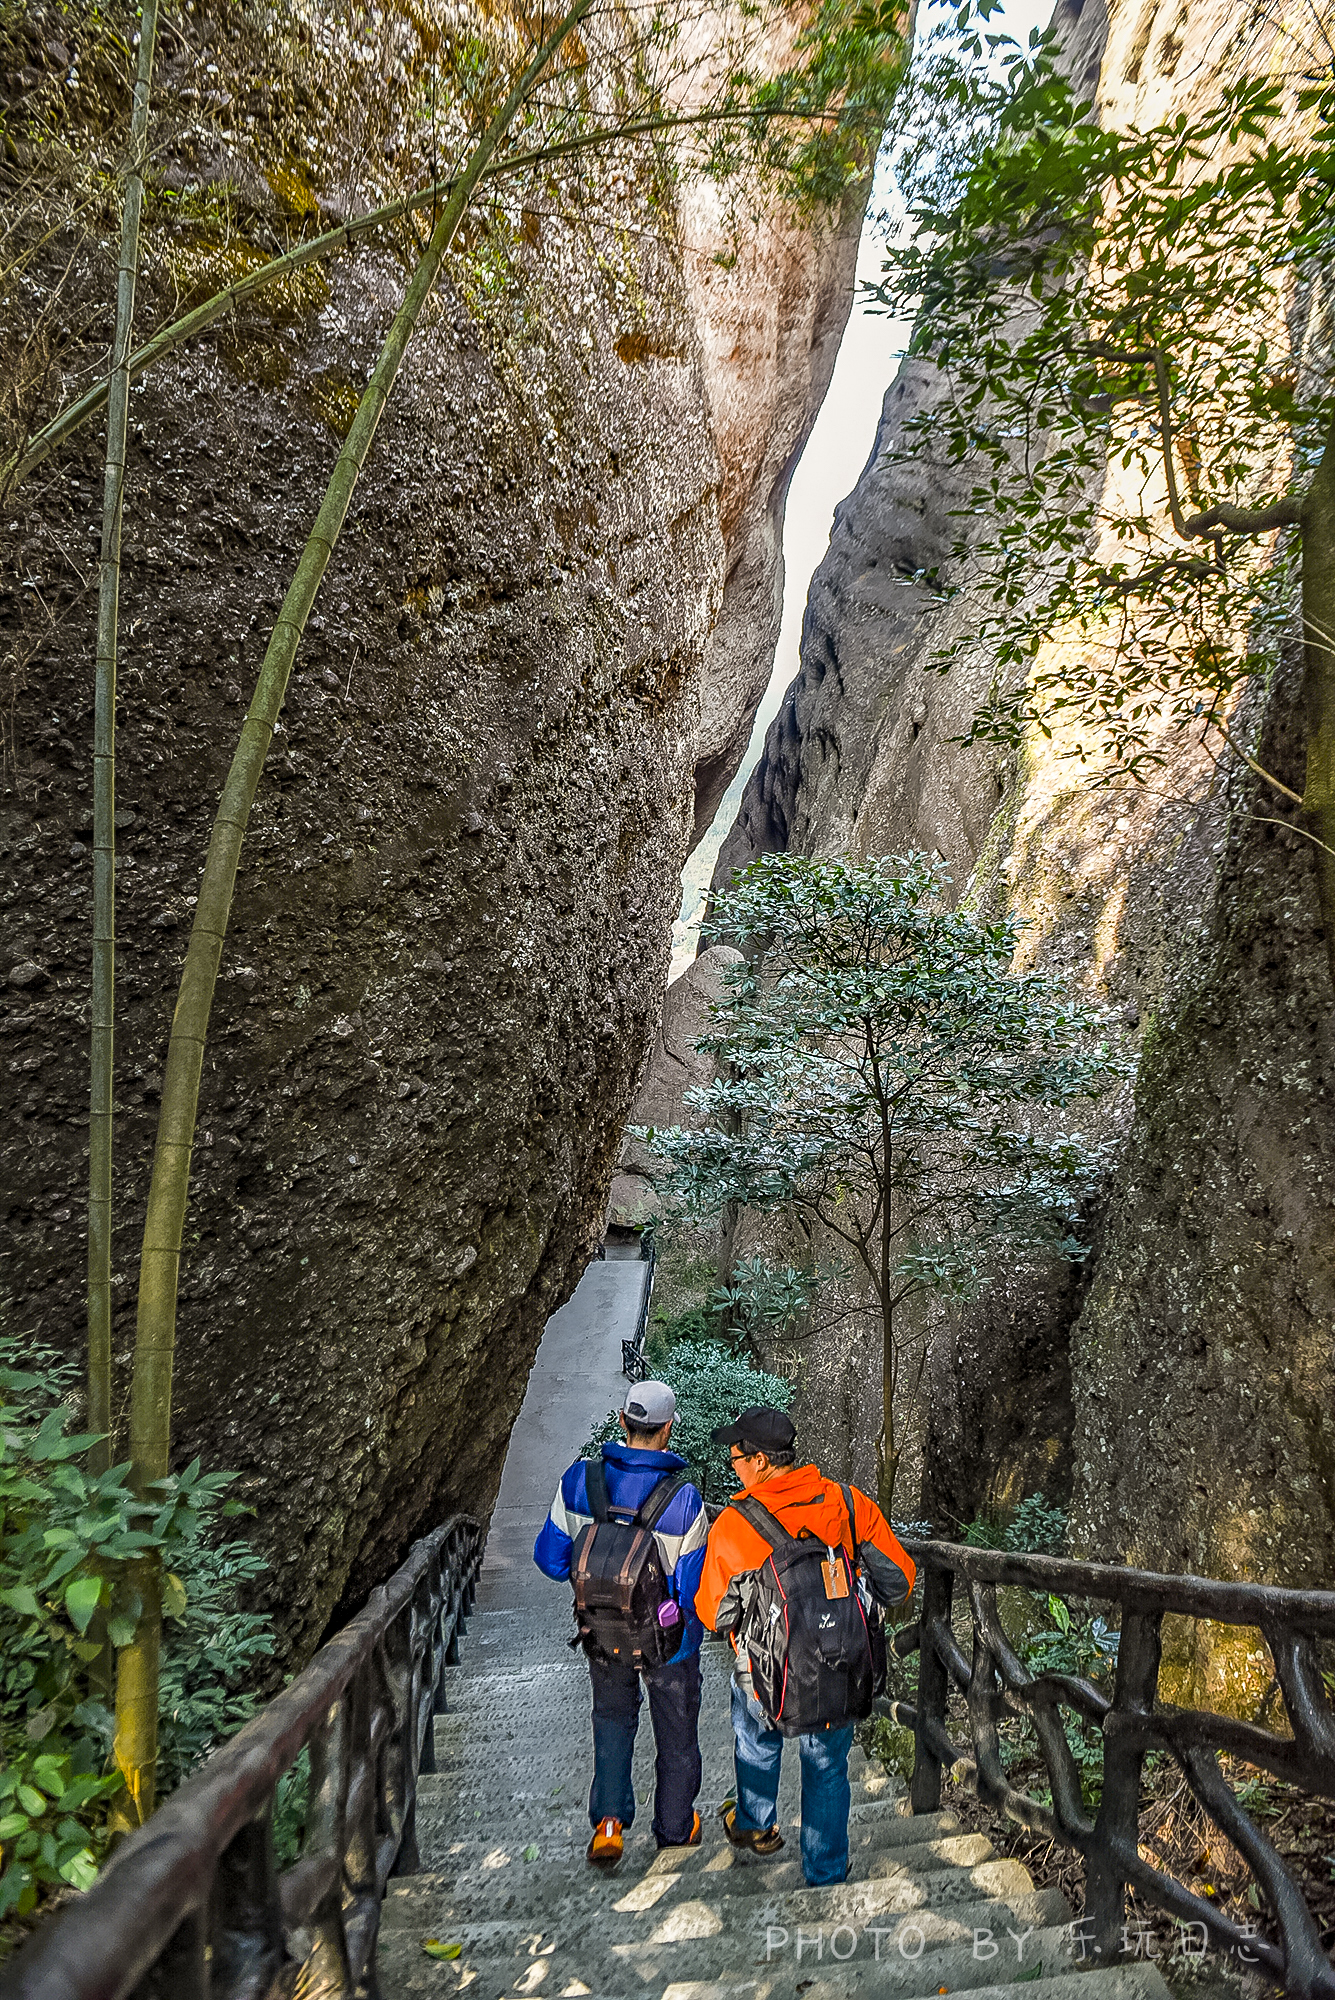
674, 1705
825, 1793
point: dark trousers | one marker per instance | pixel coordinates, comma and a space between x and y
674, 1707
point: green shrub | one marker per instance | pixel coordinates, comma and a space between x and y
209, 1652
65, 1537
891, 1744
1037, 1528
761, 1297
712, 1384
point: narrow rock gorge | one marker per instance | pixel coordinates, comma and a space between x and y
1175, 1389
536, 655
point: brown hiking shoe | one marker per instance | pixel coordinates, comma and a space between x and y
605, 1847
760, 1840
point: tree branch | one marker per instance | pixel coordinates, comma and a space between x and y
1259, 769
1247, 520
1238, 520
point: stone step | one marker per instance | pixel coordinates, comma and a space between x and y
874, 1855
822, 1982
425, 1904
488, 1770
431, 1902
703, 1942
874, 1851
522, 1819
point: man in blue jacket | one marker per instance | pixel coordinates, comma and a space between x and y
633, 1469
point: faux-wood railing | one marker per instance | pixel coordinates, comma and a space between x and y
996, 1683
194, 1905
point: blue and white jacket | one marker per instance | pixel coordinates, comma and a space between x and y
681, 1533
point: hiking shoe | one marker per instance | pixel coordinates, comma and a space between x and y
760, 1840
605, 1847
692, 1839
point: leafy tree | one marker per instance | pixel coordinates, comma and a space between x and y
880, 1064
1133, 339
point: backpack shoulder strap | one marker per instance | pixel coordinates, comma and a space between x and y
656, 1503
595, 1485
847, 1492
758, 1516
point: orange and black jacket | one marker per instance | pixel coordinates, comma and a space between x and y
800, 1497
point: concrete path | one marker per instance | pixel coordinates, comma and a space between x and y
576, 1380
502, 1823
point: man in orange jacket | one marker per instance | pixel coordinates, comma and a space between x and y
801, 1499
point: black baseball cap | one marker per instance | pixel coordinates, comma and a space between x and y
761, 1425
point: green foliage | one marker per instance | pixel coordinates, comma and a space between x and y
892, 1744
984, 1533
762, 1298
291, 1804
880, 1064
712, 1385
65, 1535
1079, 1645
1122, 301
814, 127
210, 1651
1039, 1527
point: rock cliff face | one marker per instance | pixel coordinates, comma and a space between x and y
674, 1066
771, 313
1176, 1389
451, 928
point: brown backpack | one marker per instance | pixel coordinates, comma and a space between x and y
618, 1576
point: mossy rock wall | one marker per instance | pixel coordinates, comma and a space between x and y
450, 932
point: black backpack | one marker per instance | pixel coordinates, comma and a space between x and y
618, 1576
812, 1654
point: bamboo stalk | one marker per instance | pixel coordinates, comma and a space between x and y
104, 774
150, 1400
1318, 601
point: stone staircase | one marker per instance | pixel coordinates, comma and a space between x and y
503, 1824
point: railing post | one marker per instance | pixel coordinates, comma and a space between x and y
182, 1971
328, 1975
361, 1889
403, 1676
1118, 1821
247, 1929
933, 1688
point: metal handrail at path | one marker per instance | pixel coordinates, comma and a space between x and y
995, 1683
194, 1906
633, 1364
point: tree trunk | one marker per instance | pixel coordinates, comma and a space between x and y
150, 1403
887, 1455
1318, 535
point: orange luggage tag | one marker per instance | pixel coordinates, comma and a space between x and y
835, 1575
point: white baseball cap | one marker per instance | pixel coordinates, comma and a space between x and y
649, 1404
